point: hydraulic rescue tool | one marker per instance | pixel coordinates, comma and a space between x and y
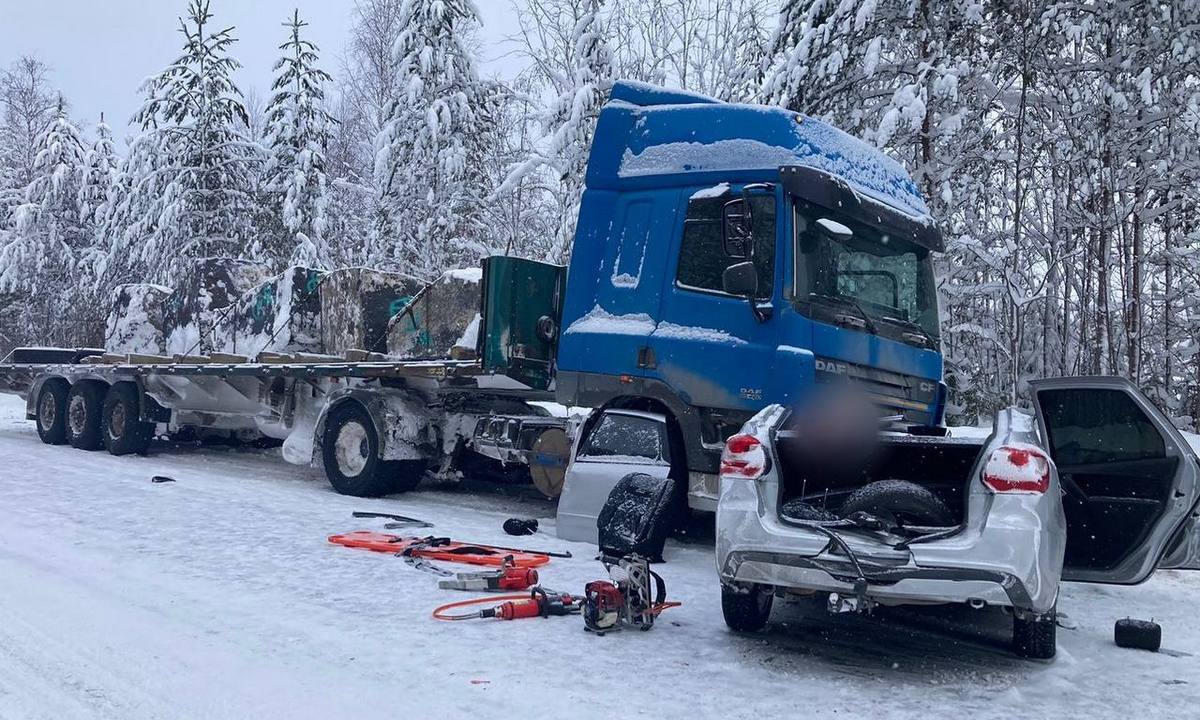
539, 602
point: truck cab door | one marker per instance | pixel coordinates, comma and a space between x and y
713, 347
1130, 481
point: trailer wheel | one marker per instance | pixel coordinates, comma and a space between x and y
350, 452
746, 609
85, 403
1036, 636
52, 412
124, 432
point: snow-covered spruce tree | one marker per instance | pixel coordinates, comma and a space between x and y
195, 111
99, 173
297, 135
429, 215
47, 259
571, 122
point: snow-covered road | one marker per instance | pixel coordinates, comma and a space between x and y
217, 596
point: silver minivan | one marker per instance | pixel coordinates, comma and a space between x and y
1095, 486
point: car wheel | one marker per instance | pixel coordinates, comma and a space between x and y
124, 431
350, 452
746, 609
85, 403
899, 501
1035, 636
52, 412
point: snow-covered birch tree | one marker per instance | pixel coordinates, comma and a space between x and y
571, 120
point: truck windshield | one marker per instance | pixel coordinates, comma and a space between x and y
843, 262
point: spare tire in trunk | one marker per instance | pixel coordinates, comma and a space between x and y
899, 502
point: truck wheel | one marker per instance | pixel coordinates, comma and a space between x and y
52, 412
85, 402
124, 432
350, 452
1036, 636
746, 610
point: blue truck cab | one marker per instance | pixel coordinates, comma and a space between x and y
731, 256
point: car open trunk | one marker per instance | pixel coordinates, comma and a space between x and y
941, 465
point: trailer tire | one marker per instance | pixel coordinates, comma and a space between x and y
52, 412
746, 609
1036, 636
124, 431
350, 453
85, 405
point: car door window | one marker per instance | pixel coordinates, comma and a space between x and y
626, 437
1089, 426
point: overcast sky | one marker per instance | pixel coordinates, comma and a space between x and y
101, 50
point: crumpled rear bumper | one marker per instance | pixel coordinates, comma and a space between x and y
906, 584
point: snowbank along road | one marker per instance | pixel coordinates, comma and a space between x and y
217, 596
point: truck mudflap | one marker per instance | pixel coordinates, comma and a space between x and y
881, 580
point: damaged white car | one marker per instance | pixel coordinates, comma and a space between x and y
1097, 486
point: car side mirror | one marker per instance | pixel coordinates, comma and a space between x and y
740, 279
737, 229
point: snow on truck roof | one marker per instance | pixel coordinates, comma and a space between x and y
648, 136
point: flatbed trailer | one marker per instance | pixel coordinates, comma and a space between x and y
375, 425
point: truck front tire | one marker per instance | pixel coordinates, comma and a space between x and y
85, 404
746, 609
350, 453
124, 431
52, 412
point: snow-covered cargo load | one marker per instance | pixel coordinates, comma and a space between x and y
356, 305
281, 315
202, 301
137, 323
438, 319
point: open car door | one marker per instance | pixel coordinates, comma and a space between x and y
1130, 481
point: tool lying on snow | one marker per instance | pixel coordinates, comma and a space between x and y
633, 596
441, 548
539, 602
507, 577
400, 521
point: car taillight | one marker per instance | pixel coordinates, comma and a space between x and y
1017, 469
744, 458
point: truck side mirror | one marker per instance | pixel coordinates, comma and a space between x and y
737, 229
740, 279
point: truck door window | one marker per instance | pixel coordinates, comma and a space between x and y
626, 436
702, 258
